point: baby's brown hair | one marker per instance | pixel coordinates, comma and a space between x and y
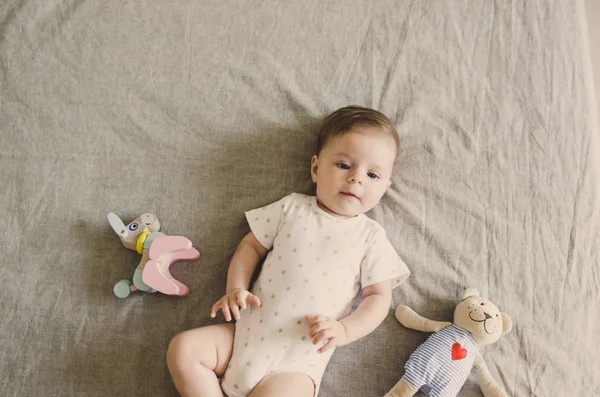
343, 120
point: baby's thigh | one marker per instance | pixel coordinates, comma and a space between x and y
210, 346
289, 384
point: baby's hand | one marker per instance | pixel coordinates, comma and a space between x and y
322, 328
236, 299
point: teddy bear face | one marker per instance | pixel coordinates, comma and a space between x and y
482, 319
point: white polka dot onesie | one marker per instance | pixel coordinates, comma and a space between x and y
317, 264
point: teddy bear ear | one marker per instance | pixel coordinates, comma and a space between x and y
469, 293
507, 323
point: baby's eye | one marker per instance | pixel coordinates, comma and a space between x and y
343, 166
372, 175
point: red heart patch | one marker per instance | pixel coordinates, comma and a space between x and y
458, 353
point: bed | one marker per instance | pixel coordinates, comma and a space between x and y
201, 110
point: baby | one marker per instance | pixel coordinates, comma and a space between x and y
320, 253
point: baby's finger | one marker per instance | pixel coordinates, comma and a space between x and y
309, 318
318, 327
225, 310
215, 309
235, 310
253, 300
328, 346
322, 336
312, 319
240, 300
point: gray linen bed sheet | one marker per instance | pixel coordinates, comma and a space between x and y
200, 110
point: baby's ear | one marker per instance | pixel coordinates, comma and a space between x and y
314, 165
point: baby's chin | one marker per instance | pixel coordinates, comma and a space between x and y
346, 214
341, 212
351, 214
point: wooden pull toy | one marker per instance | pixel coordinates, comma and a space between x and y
158, 252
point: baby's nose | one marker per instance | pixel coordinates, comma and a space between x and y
355, 179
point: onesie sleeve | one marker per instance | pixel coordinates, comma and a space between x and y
265, 222
381, 262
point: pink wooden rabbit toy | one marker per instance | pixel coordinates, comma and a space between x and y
158, 252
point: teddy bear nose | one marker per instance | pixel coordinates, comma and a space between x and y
487, 316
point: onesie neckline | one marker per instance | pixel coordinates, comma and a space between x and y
319, 210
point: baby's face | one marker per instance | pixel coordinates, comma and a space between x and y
353, 172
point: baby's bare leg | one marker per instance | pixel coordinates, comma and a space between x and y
198, 357
292, 384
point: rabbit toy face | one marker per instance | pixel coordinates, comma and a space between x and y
129, 234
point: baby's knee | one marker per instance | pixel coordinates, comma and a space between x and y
177, 348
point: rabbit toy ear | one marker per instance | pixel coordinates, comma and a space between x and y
117, 224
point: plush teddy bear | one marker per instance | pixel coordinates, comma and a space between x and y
441, 365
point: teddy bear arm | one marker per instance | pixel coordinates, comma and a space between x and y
487, 383
411, 319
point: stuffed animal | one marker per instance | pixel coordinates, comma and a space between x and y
158, 252
441, 365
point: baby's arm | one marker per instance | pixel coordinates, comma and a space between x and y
241, 268
368, 315
247, 255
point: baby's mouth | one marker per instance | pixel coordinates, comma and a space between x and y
350, 195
